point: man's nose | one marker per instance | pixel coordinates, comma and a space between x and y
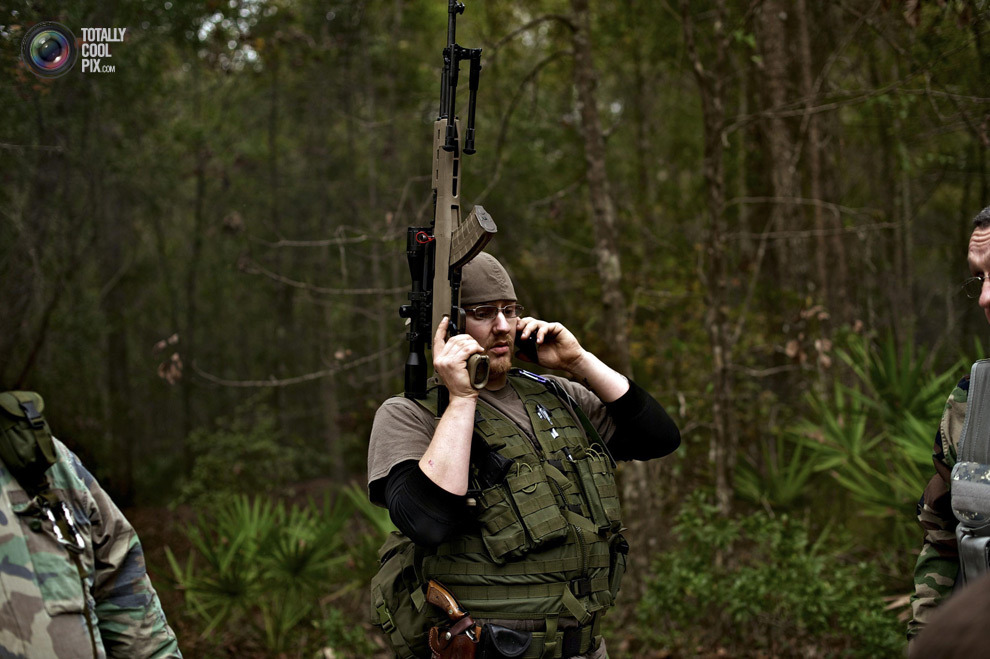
985, 294
501, 322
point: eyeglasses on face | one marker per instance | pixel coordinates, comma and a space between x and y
489, 311
973, 286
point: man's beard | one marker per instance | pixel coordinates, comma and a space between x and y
500, 364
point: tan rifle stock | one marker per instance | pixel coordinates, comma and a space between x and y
457, 241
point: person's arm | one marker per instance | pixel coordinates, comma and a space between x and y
558, 348
643, 429
421, 509
130, 617
938, 563
425, 495
447, 461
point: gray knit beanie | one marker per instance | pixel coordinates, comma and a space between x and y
484, 279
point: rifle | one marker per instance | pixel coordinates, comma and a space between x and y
437, 253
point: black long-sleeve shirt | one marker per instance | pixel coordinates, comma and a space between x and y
428, 514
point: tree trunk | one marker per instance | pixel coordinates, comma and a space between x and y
188, 336
725, 440
609, 267
772, 32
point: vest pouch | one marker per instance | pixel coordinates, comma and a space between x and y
603, 475
970, 495
599, 490
537, 505
618, 550
26, 446
398, 604
974, 554
501, 529
521, 514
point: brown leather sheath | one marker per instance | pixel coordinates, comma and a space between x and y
458, 647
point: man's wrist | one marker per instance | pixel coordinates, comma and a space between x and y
580, 366
464, 401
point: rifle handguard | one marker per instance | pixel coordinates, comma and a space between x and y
478, 370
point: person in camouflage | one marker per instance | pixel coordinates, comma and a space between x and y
938, 563
87, 595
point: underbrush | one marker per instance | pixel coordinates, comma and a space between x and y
761, 585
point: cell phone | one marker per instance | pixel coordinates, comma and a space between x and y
527, 347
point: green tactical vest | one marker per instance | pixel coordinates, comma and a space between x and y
545, 544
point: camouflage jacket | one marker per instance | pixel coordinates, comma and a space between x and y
53, 606
938, 564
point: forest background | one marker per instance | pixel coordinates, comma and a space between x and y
757, 209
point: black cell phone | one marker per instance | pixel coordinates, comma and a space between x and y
527, 347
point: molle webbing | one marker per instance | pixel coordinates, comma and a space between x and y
542, 549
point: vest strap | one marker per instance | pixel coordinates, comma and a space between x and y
441, 565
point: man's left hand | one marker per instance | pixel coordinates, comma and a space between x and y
556, 347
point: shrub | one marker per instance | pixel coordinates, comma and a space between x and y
246, 454
265, 575
760, 584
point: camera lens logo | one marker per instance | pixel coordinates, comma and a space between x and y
49, 49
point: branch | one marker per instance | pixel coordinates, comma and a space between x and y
565, 20
762, 373
329, 242
286, 382
252, 267
24, 147
836, 209
504, 126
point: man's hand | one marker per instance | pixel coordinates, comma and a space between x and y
450, 358
556, 347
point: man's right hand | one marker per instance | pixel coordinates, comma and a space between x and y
450, 358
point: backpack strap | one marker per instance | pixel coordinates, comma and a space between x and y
26, 446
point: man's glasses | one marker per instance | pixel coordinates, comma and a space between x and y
973, 286
489, 311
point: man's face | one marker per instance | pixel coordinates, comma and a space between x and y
497, 336
979, 264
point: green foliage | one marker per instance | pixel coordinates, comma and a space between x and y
782, 480
247, 454
759, 584
895, 379
261, 574
873, 438
364, 547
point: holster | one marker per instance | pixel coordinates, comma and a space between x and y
458, 647
503, 643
